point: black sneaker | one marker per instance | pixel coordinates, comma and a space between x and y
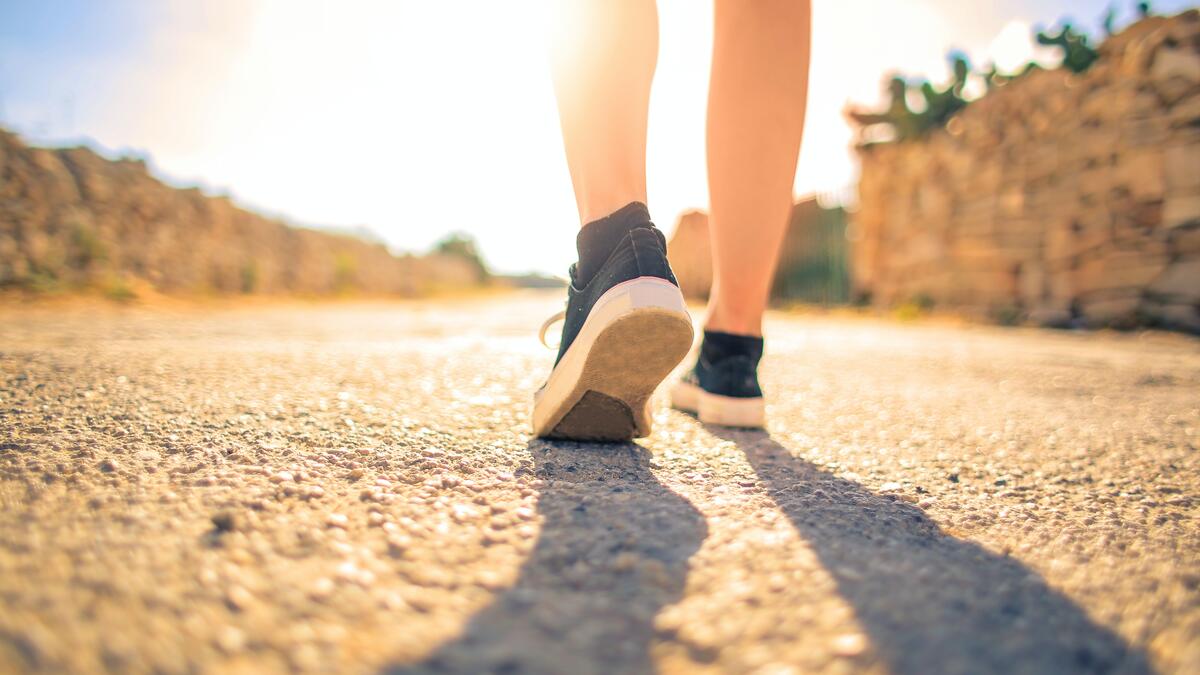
623, 333
723, 388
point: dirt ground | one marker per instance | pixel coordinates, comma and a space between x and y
352, 488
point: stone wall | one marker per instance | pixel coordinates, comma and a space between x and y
1058, 198
812, 259
690, 253
70, 219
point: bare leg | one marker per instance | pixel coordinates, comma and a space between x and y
604, 53
757, 94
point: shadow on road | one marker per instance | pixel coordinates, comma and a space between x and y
608, 558
929, 602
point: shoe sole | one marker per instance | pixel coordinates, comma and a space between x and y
635, 335
725, 411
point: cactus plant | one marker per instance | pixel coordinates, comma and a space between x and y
1078, 53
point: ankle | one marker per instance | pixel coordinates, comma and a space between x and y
598, 239
600, 208
733, 323
727, 348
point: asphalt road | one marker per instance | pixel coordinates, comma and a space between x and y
352, 488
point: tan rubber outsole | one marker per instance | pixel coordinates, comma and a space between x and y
625, 364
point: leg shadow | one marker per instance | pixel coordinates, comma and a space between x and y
931, 603
613, 550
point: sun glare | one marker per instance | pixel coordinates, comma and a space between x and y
421, 118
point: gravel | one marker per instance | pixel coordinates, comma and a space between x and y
352, 488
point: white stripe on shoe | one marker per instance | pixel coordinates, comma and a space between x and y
727, 411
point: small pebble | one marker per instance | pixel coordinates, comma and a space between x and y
238, 598
349, 571
231, 640
398, 544
463, 513
322, 589
392, 601
304, 657
850, 644
337, 520
225, 521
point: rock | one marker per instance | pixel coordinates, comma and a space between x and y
1183, 169
1184, 114
1181, 211
1114, 312
690, 253
813, 239
85, 220
231, 640
1175, 72
1117, 270
398, 544
1185, 241
462, 513
1051, 317
1184, 317
353, 573
322, 588
1180, 282
849, 645
238, 598
1031, 283
1145, 173
225, 521
1052, 192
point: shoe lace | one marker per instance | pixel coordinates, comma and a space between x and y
558, 316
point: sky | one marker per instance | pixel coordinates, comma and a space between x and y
415, 119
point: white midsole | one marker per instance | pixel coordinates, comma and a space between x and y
619, 301
726, 411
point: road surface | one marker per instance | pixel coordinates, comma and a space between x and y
352, 488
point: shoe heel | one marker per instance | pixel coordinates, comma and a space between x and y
635, 336
729, 411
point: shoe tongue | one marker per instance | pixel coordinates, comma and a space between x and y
718, 346
599, 238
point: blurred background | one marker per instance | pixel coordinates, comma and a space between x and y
1025, 166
